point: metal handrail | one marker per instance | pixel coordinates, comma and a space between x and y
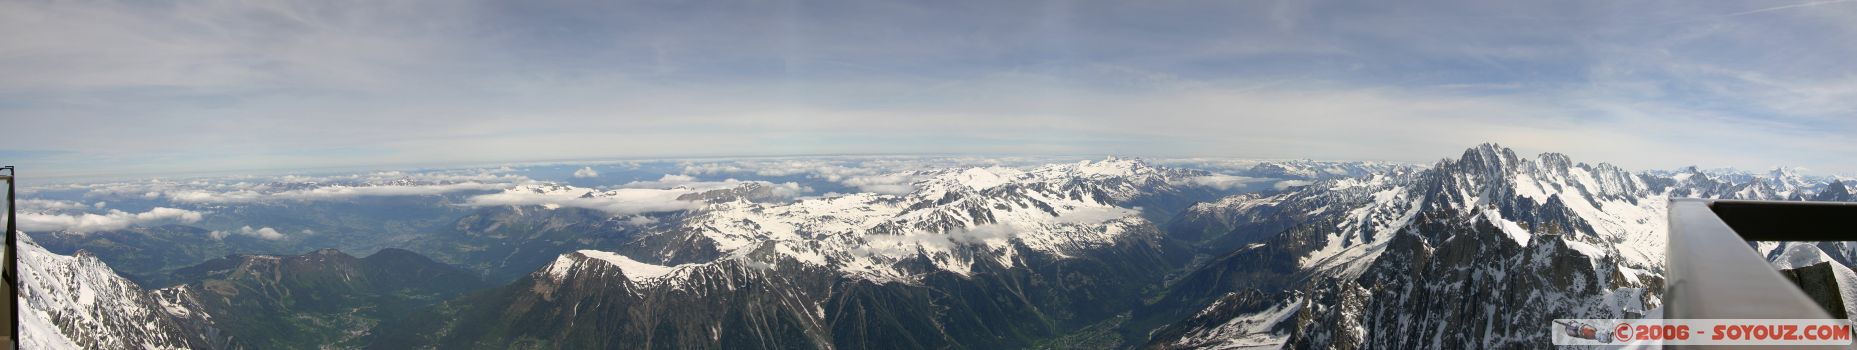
12, 260
1712, 272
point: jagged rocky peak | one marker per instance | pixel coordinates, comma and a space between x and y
1496, 242
1786, 176
1836, 191
72, 302
1492, 167
1559, 164
1488, 157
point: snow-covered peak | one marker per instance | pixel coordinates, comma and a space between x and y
1110, 167
595, 261
953, 218
1785, 175
634, 270
1787, 183
79, 302
934, 183
984, 178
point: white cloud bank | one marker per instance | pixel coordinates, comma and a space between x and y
895, 183
883, 174
1224, 182
662, 195
1286, 184
692, 184
326, 193
262, 232
112, 220
618, 202
586, 172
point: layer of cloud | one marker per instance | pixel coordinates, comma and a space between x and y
43, 205
1224, 182
1286, 184
1096, 215
261, 232
784, 190
254, 189
586, 172
885, 175
331, 193
618, 202
665, 182
894, 183
108, 221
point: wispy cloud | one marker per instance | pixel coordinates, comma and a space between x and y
1784, 7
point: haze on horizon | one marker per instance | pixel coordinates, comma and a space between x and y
113, 87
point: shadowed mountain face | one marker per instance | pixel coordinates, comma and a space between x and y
325, 297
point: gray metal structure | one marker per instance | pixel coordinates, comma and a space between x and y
12, 267
1712, 273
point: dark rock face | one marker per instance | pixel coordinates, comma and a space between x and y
1821, 284
1836, 192
324, 298
1488, 293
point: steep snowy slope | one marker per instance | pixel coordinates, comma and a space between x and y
78, 302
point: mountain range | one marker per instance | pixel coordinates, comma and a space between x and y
1479, 250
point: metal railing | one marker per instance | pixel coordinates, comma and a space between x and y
12, 267
1712, 273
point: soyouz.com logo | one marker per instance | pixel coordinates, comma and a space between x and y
1701, 332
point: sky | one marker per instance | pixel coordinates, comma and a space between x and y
93, 88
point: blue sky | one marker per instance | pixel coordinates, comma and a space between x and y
105, 87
